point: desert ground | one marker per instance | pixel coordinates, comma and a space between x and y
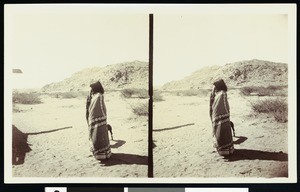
183, 141
51, 139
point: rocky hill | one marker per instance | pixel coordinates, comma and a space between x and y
244, 73
117, 76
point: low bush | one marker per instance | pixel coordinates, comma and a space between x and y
262, 91
193, 92
277, 107
70, 95
26, 98
67, 95
281, 116
135, 93
157, 96
15, 108
140, 110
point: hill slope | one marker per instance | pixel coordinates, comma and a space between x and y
244, 73
117, 76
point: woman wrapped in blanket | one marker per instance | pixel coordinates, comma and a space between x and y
96, 119
220, 117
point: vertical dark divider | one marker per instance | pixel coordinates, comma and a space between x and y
150, 108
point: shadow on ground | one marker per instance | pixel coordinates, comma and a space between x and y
50, 131
176, 127
125, 159
249, 154
20, 145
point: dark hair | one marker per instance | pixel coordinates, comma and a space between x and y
97, 87
220, 85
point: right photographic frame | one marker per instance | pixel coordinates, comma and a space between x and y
224, 94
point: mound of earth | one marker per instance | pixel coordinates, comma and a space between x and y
243, 73
116, 76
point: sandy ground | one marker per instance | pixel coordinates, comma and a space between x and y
55, 140
182, 136
57, 136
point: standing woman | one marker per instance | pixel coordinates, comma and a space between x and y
96, 118
220, 117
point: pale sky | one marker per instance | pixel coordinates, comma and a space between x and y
52, 44
186, 43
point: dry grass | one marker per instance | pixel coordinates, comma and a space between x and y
26, 98
69, 95
157, 96
277, 107
140, 110
135, 93
264, 91
192, 92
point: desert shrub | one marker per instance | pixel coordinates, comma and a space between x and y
69, 95
189, 93
204, 92
64, 95
127, 93
140, 110
281, 116
135, 93
26, 98
142, 93
262, 91
277, 107
247, 90
192, 92
265, 92
157, 96
273, 88
15, 108
83, 94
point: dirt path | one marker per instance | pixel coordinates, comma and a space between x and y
58, 138
182, 134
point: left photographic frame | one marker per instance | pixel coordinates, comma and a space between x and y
59, 128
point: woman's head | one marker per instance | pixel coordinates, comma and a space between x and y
220, 85
97, 87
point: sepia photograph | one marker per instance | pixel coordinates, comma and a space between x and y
221, 95
79, 92
78, 95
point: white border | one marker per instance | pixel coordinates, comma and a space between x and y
290, 9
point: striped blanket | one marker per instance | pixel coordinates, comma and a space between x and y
98, 132
220, 117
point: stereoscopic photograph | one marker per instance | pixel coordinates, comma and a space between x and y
79, 85
78, 93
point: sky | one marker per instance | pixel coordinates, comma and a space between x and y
49, 44
184, 43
